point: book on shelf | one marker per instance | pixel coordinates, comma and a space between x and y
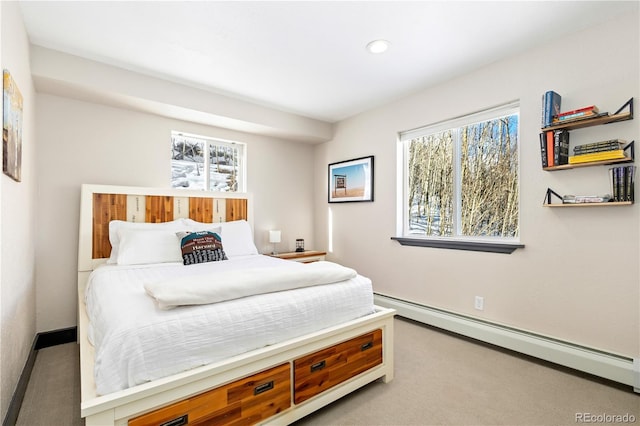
570, 117
543, 149
629, 179
608, 145
550, 107
613, 179
615, 154
550, 145
583, 199
560, 147
622, 183
620, 172
591, 108
554, 147
573, 119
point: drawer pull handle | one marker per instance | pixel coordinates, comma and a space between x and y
263, 388
366, 346
178, 421
318, 366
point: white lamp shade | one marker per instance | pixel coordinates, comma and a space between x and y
274, 236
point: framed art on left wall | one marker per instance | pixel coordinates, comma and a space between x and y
11, 128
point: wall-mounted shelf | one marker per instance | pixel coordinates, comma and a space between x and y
628, 159
610, 204
621, 176
551, 193
588, 122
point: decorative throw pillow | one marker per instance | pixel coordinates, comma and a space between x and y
237, 234
201, 247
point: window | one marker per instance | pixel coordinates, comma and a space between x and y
199, 162
460, 179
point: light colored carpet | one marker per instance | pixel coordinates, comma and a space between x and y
53, 393
440, 379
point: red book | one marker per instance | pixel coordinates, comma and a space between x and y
550, 149
591, 108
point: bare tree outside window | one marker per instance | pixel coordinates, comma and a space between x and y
431, 184
198, 162
187, 163
463, 181
489, 175
223, 168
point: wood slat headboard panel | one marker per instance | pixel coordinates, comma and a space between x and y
106, 207
236, 209
158, 209
201, 209
106, 203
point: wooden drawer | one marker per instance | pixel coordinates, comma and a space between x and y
243, 402
324, 369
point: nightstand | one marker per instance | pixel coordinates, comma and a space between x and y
306, 256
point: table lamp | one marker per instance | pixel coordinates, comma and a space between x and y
274, 238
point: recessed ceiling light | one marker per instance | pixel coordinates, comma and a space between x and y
378, 46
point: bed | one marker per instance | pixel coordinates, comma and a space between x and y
150, 353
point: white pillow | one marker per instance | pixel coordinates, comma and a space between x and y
116, 225
141, 246
237, 236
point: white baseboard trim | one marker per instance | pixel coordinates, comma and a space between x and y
599, 363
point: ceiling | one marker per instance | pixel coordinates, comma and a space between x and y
306, 57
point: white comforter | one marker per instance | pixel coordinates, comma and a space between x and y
237, 283
136, 342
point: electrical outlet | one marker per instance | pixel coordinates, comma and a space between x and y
479, 303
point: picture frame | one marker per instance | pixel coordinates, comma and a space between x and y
11, 128
351, 180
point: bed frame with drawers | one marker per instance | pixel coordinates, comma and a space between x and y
278, 384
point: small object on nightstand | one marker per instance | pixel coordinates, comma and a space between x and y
299, 244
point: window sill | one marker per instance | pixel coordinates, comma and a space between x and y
504, 248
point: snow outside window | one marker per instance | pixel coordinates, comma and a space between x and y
200, 162
460, 178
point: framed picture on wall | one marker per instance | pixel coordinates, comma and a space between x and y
11, 128
351, 180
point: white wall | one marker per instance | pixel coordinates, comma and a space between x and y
83, 142
74, 77
577, 278
17, 228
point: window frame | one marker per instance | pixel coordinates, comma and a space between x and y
208, 141
456, 242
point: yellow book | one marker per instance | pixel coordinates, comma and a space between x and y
597, 156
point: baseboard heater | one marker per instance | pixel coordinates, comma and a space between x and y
598, 363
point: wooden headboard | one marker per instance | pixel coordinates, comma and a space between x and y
101, 204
